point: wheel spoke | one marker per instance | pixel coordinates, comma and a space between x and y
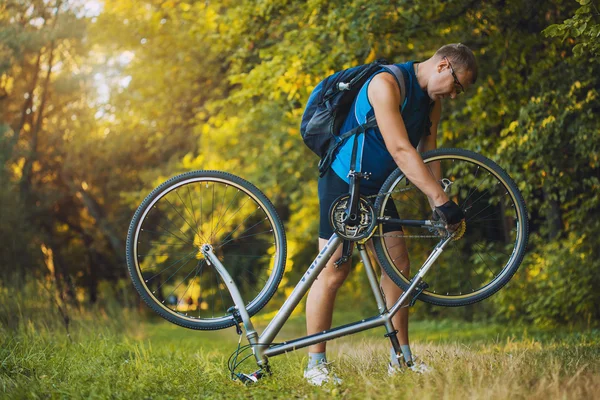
221, 208
183, 280
473, 264
182, 217
187, 258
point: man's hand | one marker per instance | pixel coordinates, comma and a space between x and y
450, 213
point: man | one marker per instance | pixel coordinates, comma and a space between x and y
449, 72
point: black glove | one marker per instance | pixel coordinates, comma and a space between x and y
449, 212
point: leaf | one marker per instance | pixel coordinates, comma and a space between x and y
553, 30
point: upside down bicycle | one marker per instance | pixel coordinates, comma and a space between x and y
206, 249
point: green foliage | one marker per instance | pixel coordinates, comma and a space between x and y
18, 252
554, 286
95, 111
583, 29
165, 361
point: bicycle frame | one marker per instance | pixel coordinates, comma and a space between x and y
487, 187
262, 345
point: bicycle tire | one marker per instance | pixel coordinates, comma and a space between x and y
515, 241
191, 227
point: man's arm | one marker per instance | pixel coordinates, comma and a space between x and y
384, 95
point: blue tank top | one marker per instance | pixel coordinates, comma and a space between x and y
372, 155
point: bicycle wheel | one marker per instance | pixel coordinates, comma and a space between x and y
484, 259
176, 219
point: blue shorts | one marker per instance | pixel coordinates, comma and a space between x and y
331, 186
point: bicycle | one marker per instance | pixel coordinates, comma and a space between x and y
215, 243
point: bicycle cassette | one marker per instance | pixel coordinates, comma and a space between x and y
366, 219
460, 232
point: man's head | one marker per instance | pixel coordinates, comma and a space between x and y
453, 69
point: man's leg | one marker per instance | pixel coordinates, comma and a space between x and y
321, 297
397, 250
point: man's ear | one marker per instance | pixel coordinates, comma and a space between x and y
441, 65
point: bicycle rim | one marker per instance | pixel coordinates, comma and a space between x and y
176, 219
486, 256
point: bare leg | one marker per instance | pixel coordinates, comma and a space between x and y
321, 297
398, 252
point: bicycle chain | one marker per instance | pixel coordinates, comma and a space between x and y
410, 236
402, 236
390, 192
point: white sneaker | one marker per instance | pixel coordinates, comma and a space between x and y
417, 366
394, 369
320, 374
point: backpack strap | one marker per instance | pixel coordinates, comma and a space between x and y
400, 79
372, 122
325, 162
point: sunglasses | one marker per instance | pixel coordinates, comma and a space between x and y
456, 81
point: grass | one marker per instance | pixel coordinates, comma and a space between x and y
140, 359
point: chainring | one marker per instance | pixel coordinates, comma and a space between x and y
367, 219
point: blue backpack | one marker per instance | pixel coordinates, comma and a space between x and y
329, 104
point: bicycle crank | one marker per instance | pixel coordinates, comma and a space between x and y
365, 226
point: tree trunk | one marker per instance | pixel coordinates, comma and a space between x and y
92, 281
26, 106
65, 277
96, 211
25, 183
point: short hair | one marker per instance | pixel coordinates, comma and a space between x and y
461, 56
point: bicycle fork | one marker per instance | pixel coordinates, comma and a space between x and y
240, 308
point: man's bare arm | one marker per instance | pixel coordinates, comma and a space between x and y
384, 95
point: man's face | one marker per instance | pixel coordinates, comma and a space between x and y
447, 81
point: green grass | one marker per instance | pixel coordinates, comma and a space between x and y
156, 360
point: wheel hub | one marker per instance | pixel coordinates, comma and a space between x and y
202, 250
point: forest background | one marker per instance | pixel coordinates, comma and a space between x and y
102, 101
